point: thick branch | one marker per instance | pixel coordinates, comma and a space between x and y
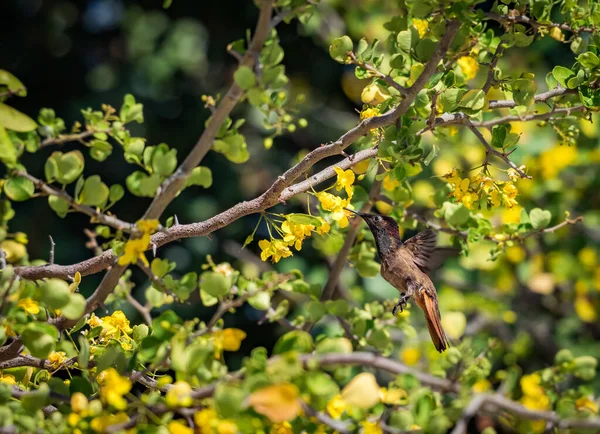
97, 217
169, 189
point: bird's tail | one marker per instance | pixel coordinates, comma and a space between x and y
434, 323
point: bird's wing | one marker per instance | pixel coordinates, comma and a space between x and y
425, 254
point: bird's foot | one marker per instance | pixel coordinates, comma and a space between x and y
402, 302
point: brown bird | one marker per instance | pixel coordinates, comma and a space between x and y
406, 266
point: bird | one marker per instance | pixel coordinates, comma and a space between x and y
407, 265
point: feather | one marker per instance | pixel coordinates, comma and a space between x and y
434, 322
426, 256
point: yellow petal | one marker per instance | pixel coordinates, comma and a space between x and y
362, 391
278, 402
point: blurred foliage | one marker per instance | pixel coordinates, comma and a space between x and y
204, 335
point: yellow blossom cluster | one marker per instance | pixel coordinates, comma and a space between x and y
470, 191
207, 422
135, 247
534, 397
227, 340
554, 160
293, 234
468, 66
113, 387
335, 204
57, 358
422, 26
115, 326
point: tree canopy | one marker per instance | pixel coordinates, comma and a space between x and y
477, 120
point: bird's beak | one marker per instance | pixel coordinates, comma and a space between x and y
354, 212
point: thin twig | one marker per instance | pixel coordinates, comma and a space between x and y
535, 24
52, 245
490, 81
141, 309
376, 73
97, 217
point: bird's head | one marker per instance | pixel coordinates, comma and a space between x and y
380, 225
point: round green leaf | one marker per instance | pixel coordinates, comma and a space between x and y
244, 77
55, 293
339, 49
215, 284
540, 218
14, 120
75, 308
94, 192
19, 188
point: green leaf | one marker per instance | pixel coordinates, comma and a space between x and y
8, 152
58, 205
425, 49
83, 358
215, 284
588, 60
12, 83
339, 48
94, 192
590, 97
524, 91
100, 150
14, 120
229, 400
244, 77
64, 168
368, 268
76, 307
81, 385
40, 339
234, 147
562, 74
305, 219
404, 40
55, 293
141, 184
116, 193
432, 154
578, 45
296, 340
450, 99
540, 218
316, 310
131, 111
18, 188
34, 400
201, 176
473, 101
260, 301
456, 214
164, 160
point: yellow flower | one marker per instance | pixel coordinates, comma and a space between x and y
469, 200
113, 387
281, 428
336, 406
556, 33
371, 428
148, 226
324, 228
205, 420
8, 379
118, 321
374, 94
389, 183
369, 112
278, 402
134, 250
515, 254
345, 179
179, 427
361, 167
336, 205
228, 339
421, 25
585, 309
481, 386
509, 192
79, 403
294, 233
468, 66
587, 405
536, 402
73, 419
410, 356
57, 358
392, 396
227, 427
588, 257
530, 385
179, 395
29, 305
554, 160
100, 424
275, 249
513, 174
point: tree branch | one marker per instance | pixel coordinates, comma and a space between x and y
504, 19
172, 185
375, 72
